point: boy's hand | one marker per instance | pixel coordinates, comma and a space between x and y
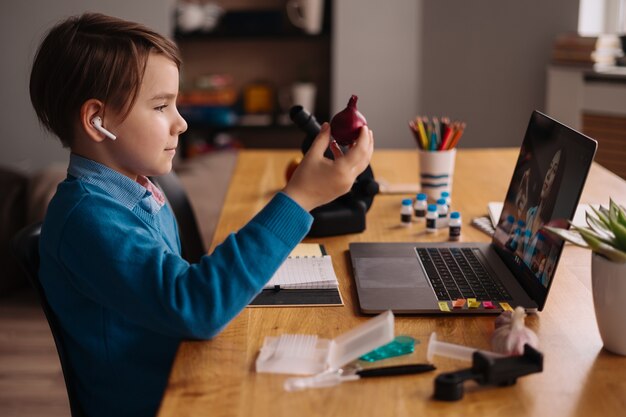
319, 180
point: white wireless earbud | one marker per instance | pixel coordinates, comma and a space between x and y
97, 123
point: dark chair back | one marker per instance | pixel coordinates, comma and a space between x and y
25, 247
190, 239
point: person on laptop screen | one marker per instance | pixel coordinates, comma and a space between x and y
533, 247
535, 253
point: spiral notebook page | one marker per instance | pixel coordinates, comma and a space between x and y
310, 272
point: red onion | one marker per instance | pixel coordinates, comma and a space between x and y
346, 125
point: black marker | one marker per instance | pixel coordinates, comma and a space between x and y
396, 370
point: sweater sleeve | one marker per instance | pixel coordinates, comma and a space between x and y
119, 264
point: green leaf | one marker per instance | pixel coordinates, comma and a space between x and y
605, 234
604, 210
602, 216
621, 215
591, 232
620, 234
600, 228
600, 247
569, 236
613, 210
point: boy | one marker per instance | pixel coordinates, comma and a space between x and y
110, 253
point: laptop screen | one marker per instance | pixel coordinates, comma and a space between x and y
547, 183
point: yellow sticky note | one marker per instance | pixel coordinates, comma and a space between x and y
458, 303
443, 306
506, 307
472, 303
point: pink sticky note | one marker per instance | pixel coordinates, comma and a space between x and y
488, 304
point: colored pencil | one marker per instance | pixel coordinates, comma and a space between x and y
447, 136
416, 134
457, 136
436, 134
436, 130
420, 126
412, 127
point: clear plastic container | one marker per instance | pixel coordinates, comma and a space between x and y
451, 350
308, 354
401, 345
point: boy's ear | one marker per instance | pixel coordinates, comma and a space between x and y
90, 109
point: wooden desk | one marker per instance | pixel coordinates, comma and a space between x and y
217, 377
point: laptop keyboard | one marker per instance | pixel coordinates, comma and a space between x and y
458, 273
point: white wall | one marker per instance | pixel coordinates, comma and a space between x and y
25, 146
486, 63
482, 61
375, 56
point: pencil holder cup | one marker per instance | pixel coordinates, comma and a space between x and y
436, 170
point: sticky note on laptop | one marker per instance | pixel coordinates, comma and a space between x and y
472, 303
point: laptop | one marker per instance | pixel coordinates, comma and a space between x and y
518, 266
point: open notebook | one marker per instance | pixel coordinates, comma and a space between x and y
306, 277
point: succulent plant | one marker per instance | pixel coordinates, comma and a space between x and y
605, 233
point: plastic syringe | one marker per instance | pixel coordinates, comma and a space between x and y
454, 351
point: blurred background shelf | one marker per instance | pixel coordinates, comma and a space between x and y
282, 36
256, 56
203, 139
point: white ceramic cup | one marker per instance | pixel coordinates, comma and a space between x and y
306, 14
436, 170
303, 94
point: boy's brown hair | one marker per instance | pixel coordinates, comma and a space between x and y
91, 56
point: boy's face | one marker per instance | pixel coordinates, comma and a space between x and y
147, 139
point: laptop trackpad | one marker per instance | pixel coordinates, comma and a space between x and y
390, 273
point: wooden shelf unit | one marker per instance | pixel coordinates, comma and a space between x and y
610, 132
277, 57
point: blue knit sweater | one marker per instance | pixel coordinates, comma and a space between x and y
112, 271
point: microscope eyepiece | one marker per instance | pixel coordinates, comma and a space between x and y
307, 122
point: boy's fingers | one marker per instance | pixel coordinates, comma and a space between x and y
319, 145
361, 148
335, 149
365, 138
